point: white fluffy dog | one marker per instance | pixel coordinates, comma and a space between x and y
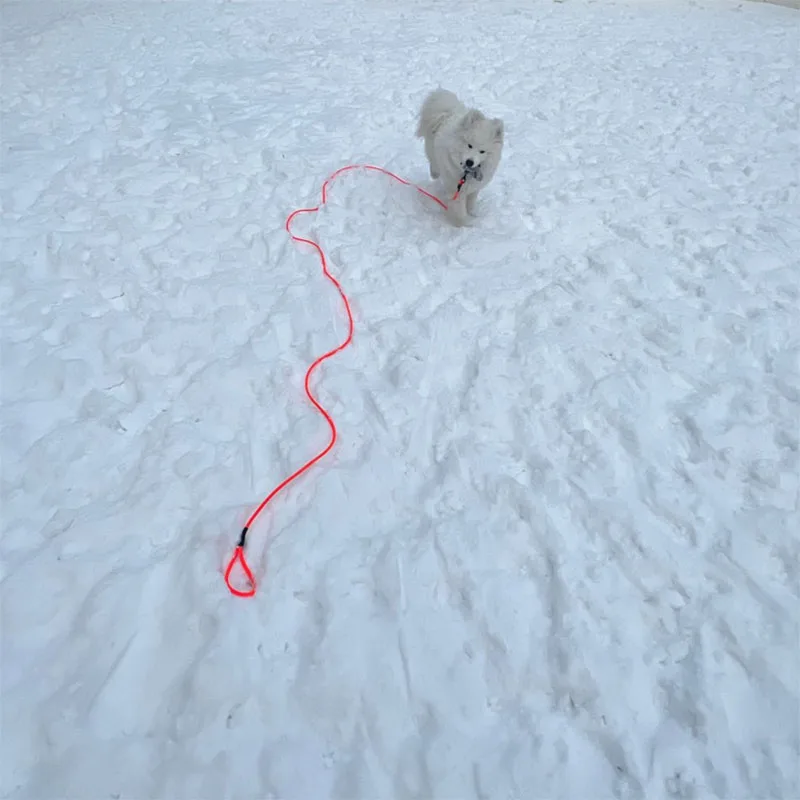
463, 148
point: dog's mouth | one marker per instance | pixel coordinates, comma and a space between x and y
469, 172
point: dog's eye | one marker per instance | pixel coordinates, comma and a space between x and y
482, 152
470, 146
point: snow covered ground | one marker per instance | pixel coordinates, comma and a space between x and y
555, 553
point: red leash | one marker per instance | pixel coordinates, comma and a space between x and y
238, 553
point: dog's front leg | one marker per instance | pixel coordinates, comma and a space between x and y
457, 211
471, 200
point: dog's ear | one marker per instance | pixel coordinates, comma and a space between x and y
498, 129
470, 118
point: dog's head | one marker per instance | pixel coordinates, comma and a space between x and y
481, 144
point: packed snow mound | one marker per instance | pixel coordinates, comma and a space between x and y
555, 551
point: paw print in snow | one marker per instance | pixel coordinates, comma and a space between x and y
678, 787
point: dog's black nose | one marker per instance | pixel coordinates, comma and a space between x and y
469, 162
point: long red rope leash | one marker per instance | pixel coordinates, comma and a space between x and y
238, 553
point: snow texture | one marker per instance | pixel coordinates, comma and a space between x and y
555, 553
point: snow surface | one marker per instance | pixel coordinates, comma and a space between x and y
555, 554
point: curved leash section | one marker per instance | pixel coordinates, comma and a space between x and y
238, 556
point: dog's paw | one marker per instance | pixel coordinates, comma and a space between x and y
460, 220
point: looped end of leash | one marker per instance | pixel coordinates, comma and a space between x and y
238, 555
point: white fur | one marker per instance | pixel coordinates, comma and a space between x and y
454, 133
